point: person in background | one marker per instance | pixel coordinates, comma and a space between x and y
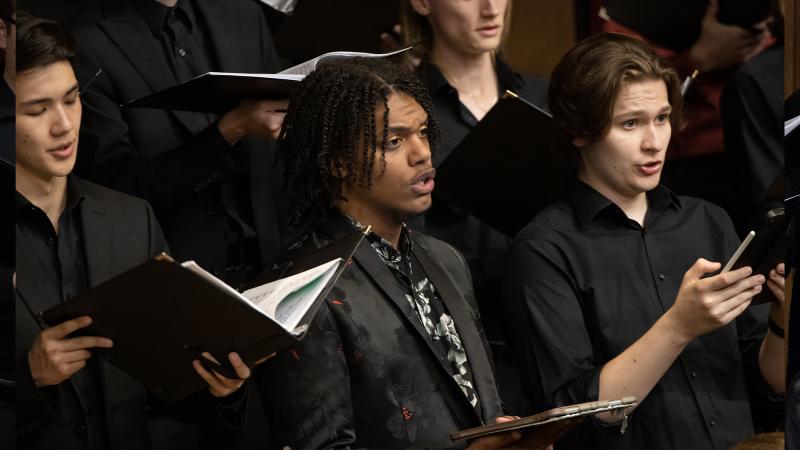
714, 37
461, 65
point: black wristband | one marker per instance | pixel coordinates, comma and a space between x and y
775, 328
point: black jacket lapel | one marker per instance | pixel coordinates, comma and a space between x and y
98, 243
456, 304
222, 30
125, 27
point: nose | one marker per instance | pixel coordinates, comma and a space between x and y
490, 8
655, 138
62, 122
419, 151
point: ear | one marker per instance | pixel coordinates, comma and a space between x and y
422, 7
580, 142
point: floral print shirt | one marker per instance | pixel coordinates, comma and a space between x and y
430, 309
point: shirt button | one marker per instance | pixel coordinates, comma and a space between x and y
712, 423
662, 277
694, 375
50, 242
182, 52
81, 430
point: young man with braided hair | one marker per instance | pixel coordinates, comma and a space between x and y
396, 356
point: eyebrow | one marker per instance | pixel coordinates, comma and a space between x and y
404, 129
639, 112
35, 101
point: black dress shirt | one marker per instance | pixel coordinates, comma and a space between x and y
584, 282
61, 271
184, 40
482, 246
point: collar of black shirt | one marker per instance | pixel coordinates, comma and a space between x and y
155, 14
377, 241
75, 196
435, 80
588, 203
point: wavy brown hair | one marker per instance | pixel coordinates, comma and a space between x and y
585, 84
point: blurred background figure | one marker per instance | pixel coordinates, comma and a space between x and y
730, 152
461, 65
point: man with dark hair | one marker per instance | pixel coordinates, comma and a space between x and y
75, 235
395, 357
598, 292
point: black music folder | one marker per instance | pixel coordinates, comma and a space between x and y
219, 92
543, 429
765, 251
507, 168
161, 315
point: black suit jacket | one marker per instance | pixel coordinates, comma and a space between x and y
171, 158
121, 232
366, 375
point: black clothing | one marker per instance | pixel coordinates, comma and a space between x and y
97, 220
483, 247
61, 258
218, 204
584, 282
102, 233
429, 308
7, 250
752, 115
367, 374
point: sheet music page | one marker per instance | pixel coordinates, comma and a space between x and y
309, 66
286, 300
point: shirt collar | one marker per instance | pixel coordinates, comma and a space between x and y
155, 14
588, 203
378, 242
435, 80
75, 196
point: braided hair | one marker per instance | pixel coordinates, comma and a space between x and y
329, 134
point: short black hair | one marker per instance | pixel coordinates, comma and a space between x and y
42, 42
330, 126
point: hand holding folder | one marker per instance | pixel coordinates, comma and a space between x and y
162, 316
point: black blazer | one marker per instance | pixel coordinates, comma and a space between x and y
171, 158
121, 232
365, 375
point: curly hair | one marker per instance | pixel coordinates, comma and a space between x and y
329, 134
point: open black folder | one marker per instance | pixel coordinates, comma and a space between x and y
543, 429
161, 315
507, 168
219, 92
